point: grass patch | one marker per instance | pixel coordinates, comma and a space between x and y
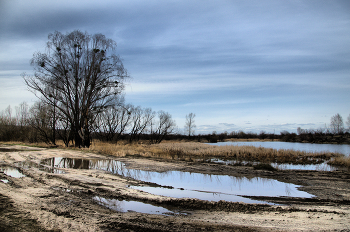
125, 149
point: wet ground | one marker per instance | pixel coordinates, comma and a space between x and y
67, 190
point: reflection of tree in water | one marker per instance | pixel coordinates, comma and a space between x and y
288, 190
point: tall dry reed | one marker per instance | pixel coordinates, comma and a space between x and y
246, 153
343, 161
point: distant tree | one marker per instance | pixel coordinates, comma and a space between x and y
112, 123
262, 134
80, 76
141, 119
164, 126
189, 125
7, 125
337, 125
348, 122
41, 120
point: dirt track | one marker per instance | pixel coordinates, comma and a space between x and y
43, 201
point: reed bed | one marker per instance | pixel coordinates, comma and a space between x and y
122, 150
200, 152
343, 161
191, 151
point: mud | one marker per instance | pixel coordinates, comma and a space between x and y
47, 198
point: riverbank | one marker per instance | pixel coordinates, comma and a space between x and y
65, 199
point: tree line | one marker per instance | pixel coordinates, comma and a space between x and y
336, 132
42, 123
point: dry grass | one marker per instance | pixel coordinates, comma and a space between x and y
41, 144
191, 151
343, 161
122, 150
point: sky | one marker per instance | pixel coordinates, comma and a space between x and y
237, 65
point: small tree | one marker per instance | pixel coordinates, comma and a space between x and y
189, 125
337, 125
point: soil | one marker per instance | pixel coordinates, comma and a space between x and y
44, 201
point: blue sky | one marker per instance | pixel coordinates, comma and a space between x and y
238, 65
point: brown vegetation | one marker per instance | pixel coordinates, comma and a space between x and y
246, 153
342, 161
192, 151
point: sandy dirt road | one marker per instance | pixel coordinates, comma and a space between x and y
47, 200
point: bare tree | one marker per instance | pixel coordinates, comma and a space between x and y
22, 114
64, 129
141, 119
337, 124
112, 123
7, 125
164, 126
80, 76
189, 125
41, 120
348, 122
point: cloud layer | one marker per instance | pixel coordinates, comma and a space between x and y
270, 63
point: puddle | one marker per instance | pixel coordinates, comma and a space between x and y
217, 187
201, 195
48, 169
13, 172
311, 167
4, 180
133, 206
104, 164
187, 184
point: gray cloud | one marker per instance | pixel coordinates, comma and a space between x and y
224, 61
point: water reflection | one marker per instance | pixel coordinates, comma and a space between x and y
13, 172
48, 169
202, 195
104, 164
132, 206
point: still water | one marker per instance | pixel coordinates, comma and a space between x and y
186, 184
13, 172
133, 206
308, 147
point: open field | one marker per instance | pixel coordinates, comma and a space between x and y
48, 200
